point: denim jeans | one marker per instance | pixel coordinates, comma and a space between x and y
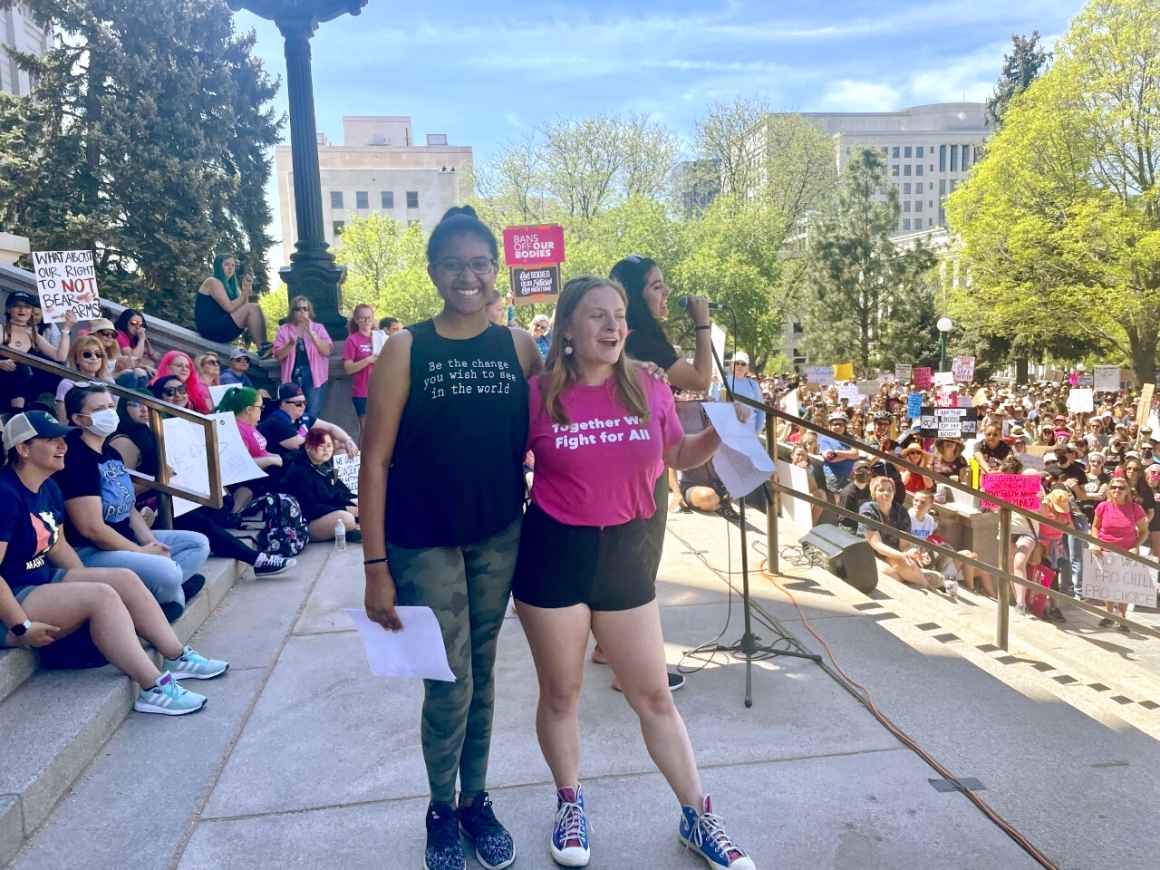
162, 575
316, 401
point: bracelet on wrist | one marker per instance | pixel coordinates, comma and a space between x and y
381, 561
701, 327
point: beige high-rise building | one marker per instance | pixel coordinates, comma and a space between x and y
378, 170
19, 32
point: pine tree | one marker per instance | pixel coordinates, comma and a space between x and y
146, 139
1020, 68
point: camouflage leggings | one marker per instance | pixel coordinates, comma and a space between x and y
468, 589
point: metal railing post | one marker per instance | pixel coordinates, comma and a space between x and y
1003, 612
773, 508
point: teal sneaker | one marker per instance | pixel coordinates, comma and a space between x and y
168, 698
192, 665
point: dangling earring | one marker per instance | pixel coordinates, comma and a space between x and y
567, 348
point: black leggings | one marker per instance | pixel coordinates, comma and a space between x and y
221, 542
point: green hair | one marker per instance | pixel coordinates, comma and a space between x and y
231, 283
238, 399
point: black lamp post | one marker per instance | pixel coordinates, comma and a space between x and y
313, 271
944, 326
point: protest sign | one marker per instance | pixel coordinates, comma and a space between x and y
850, 393
1111, 577
66, 281
844, 372
1019, 489
535, 284
347, 469
948, 397
1107, 379
1087, 379
218, 390
923, 377
378, 340
870, 388
963, 369
534, 245
1080, 400
948, 422
1144, 409
914, 406
791, 404
944, 379
185, 455
821, 375
903, 372
799, 512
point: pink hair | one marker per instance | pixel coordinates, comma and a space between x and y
199, 398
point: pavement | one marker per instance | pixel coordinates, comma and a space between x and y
303, 759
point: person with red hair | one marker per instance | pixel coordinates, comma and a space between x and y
326, 501
178, 364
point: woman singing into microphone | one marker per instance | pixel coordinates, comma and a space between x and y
602, 431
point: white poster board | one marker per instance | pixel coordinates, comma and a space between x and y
217, 391
791, 404
378, 340
1107, 379
798, 512
67, 281
347, 470
185, 454
1111, 577
821, 375
944, 379
1081, 400
850, 393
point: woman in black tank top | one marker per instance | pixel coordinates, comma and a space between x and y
441, 497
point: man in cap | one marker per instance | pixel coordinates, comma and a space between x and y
838, 456
742, 385
239, 368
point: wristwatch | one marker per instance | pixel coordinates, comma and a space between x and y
21, 628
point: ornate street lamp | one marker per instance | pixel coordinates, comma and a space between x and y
944, 326
312, 271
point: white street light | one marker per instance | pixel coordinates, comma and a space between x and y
945, 324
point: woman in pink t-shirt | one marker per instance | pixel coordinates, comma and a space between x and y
602, 431
359, 357
1120, 521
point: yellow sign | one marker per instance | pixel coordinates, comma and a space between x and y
844, 371
1144, 409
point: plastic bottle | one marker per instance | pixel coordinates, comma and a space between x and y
951, 586
340, 536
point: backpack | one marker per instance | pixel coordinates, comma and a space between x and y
284, 531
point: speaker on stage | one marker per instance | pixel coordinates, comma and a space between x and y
847, 556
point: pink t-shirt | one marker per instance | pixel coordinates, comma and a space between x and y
254, 440
1118, 523
601, 468
359, 346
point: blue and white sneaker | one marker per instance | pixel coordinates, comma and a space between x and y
704, 833
569, 843
444, 851
493, 844
192, 665
168, 698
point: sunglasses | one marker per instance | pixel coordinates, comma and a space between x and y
301, 403
88, 354
301, 308
174, 391
136, 323
211, 362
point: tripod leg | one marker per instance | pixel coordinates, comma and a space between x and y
748, 681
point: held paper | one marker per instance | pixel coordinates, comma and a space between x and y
741, 462
416, 652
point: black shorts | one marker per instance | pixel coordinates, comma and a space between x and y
606, 568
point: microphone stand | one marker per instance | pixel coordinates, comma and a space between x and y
750, 647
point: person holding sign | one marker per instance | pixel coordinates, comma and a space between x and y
1119, 521
603, 431
19, 384
325, 500
441, 492
222, 311
359, 357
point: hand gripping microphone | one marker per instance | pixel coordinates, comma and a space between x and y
683, 301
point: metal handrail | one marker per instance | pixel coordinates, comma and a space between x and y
156, 408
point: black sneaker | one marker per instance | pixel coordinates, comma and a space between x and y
353, 536
192, 586
676, 681
172, 611
444, 851
494, 848
271, 565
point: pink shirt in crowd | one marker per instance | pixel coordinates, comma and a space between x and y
254, 440
1118, 523
359, 347
319, 365
601, 468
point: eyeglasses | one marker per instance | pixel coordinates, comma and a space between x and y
364, 318
174, 391
481, 266
88, 354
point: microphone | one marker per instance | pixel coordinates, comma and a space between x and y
683, 301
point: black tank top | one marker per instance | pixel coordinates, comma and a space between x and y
456, 476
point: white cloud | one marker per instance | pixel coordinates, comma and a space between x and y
858, 96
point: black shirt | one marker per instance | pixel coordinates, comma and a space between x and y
456, 475
650, 345
89, 473
898, 519
278, 427
852, 500
30, 524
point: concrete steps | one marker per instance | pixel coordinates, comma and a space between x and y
54, 722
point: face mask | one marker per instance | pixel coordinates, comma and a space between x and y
104, 422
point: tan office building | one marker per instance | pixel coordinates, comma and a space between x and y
378, 170
18, 31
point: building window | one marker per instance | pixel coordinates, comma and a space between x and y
906, 187
906, 206
954, 184
885, 150
412, 199
336, 199
966, 157
918, 151
942, 158
337, 227
388, 199
918, 169
906, 170
894, 169
930, 222
906, 223
942, 186
798, 329
362, 199
918, 187
907, 151
894, 152
954, 158
918, 205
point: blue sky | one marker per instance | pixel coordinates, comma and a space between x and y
486, 72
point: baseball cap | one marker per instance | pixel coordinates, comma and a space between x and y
240, 353
289, 391
29, 425
740, 357
1050, 457
101, 323
21, 297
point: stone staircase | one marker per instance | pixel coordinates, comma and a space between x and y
53, 723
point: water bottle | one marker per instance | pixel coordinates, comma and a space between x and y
339, 537
951, 586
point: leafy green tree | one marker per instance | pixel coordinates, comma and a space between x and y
387, 267
146, 139
863, 296
1061, 222
1021, 67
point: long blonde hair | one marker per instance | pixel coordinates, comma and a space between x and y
561, 367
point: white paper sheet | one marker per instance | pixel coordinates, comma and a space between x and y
799, 512
378, 340
741, 462
185, 454
218, 390
416, 652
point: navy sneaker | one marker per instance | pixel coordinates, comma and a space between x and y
444, 851
494, 848
704, 833
569, 843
